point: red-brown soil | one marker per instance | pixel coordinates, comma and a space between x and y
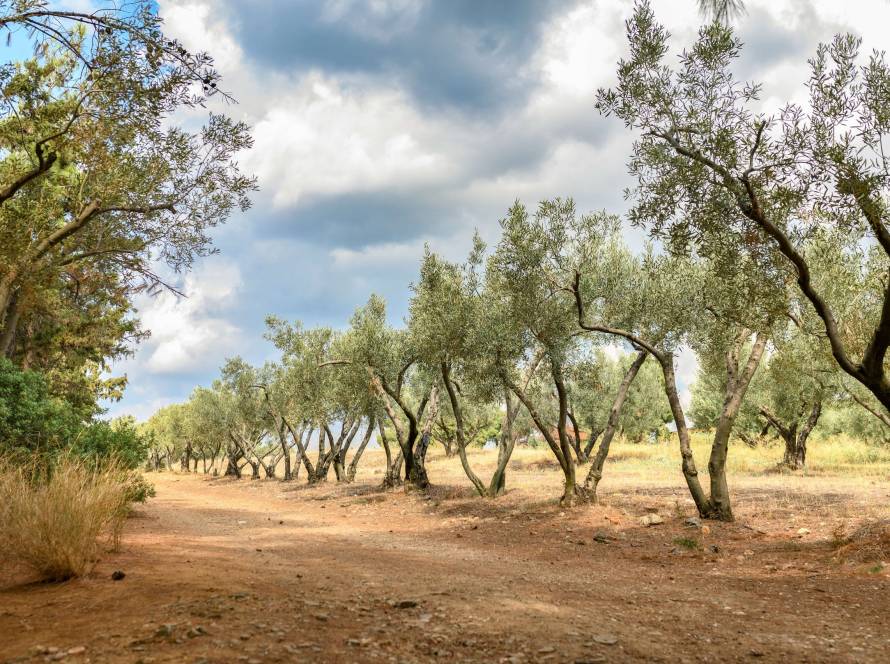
225, 571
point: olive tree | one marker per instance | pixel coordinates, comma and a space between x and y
621, 378
248, 418
456, 333
304, 397
523, 282
799, 383
402, 386
709, 165
661, 302
166, 431
204, 428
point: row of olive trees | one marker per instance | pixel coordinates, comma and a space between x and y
514, 338
770, 245
414, 385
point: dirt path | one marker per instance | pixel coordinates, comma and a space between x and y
267, 572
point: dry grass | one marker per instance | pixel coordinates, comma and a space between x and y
845, 484
869, 543
57, 523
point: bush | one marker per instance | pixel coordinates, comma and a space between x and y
34, 423
55, 519
139, 489
31, 419
117, 440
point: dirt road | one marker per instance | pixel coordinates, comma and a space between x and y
220, 571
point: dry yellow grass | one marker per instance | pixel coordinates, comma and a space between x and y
56, 524
846, 483
869, 543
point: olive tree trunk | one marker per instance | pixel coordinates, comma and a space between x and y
595, 474
795, 435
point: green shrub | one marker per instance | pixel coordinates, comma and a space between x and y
34, 424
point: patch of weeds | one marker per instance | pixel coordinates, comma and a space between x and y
877, 569
687, 543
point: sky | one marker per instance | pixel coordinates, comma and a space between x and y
382, 125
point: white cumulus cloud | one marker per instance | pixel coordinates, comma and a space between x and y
191, 332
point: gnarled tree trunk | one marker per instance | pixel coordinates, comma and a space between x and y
353, 465
595, 474
795, 435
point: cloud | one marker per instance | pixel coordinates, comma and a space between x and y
190, 333
324, 138
461, 53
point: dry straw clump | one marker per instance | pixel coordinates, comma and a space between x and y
870, 543
56, 519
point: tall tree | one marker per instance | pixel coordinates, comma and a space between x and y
708, 164
97, 184
523, 279
456, 335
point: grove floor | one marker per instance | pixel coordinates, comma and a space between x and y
264, 571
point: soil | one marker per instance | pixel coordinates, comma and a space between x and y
239, 571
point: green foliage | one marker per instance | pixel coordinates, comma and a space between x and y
139, 489
31, 419
97, 188
687, 543
33, 422
118, 439
646, 410
803, 190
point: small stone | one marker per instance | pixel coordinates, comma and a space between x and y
606, 639
405, 604
692, 522
165, 630
705, 530
77, 650
546, 649
195, 632
803, 531
321, 616
714, 548
601, 538
651, 520
117, 575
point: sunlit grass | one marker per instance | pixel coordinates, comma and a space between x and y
56, 520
